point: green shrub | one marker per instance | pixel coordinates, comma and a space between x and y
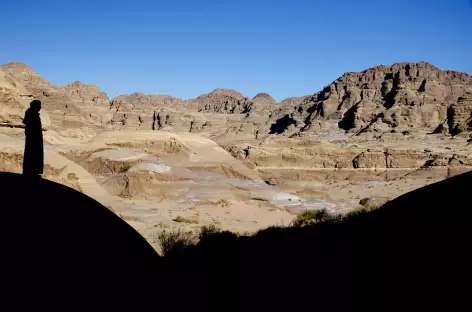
311, 217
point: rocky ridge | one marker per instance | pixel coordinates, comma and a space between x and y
405, 101
404, 97
68, 107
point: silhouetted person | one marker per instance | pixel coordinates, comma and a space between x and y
33, 161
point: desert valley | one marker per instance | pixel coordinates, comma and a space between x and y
241, 163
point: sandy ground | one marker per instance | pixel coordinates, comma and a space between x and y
235, 216
251, 216
353, 192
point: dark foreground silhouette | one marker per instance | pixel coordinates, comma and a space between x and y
411, 254
33, 161
58, 245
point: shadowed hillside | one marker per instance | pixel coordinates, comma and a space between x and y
410, 254
58, 244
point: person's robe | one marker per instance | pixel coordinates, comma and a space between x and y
33, 161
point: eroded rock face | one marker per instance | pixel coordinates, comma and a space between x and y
14, 100
145, 101
224, 101
142, 111
85, 93
395, 98
221, 112
26, 76
72, 106
459, 117
404, 98
264, 98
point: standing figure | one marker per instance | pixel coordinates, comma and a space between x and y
33, 159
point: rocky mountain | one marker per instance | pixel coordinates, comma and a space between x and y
78, 92
223, 101
145, 101
15, 97
138, 110
67, 107
401, 98
264, 98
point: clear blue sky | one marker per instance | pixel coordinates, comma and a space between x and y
188, 47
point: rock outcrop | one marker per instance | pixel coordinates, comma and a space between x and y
85, 93
459, 115
142, 111
143, 101
14, 100
72, 106
400, 98
404, 98
264, 99
224, 101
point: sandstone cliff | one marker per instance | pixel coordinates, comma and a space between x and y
400, 98
68, 107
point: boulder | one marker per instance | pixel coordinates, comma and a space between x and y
373, 202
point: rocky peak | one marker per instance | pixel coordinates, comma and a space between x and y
224, 101
139, 98
293, 100
16, 66
394, 98
15, 98
403, 72
221, 93
26, 75
264, 98
80, 92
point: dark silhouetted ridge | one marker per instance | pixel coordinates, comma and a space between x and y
412, 253
58, 244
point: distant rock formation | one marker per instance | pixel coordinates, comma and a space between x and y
460, 115
73, 106
145, 100
15, 99
398, 98
401, 98
79, 92
264, 98
223, 101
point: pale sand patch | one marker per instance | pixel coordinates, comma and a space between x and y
354, 191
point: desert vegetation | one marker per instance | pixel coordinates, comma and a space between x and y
175, 242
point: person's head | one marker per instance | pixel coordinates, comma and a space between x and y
36, 105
